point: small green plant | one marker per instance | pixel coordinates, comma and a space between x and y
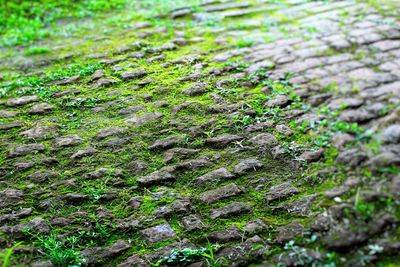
37, 50
61, 252
5, 256
188, 255
363, 209
244, 43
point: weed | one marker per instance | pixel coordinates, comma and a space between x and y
244, 43
37, 50
61, 252
188, 255
5, 256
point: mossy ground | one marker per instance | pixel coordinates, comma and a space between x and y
50, 61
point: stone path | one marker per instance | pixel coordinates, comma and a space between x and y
269, 128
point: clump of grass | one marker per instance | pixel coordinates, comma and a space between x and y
61, 252
35, 82
188, 255
37, 50
22, 22
244, 43
5, 256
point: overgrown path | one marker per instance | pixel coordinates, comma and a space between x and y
232, 133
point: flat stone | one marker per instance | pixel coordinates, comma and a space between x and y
10, 197
11, 125
310, 156
345, 102
134, 202
215, 195
192, 223
391, 134
395, 185
198, 88
352, 157
229, 210
40, 132
194, 164
158, 233
386, 45
357, 115
247, 165
166, 142
131, 110
283, 129
223, 140
137, 121
111, 131
134, 74
224, 236
40, 108
264, 139
103, 172
342, 237
68, 140
25, 150
137, 166
289, 232
182, 205
255, 226
213, 176
83, 153
134, 260
179, 153
299, 207
340, 140
281, 191
15, 215
96, 254
20, 101
98, 74
42, 176
157, 177
337, 191
278, 101
8, 113
105, 82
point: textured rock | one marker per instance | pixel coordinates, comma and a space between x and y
225, 236
157, 177
20, 101
137, 121
281, 191
229, 210
158, 233
220, 193
289, 232
213, 176
68, 140
25, 150
223, 140
166, 142
10, 197
192, 223
247, 165
391, 134
40, 132
106, 132
264, 139
40, 108
95, 254
179, 153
